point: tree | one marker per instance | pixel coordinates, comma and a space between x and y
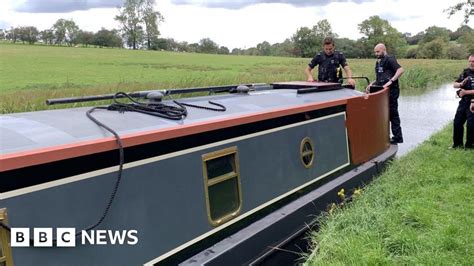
65, 31
47, 36
59, 31
264, 48
13, 34
286, 48
435, 43
223, 50
467, 6
456, 51
377, 30
193, 47
251, 51
434, 32
349, 47
135, 41
131, 17
3, 34
412, 53
182, 47
72, 32
207, 46
107, 38
306, 42
139, 22
467, 39
160, 44
433, 49
415, 39
28, 34
460, 31
19, 32
323, 29
237, 51
85, 37
169, 45
151, 20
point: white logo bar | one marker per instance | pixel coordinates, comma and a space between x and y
66, 237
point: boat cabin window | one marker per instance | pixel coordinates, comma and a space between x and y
222, 185
5, 250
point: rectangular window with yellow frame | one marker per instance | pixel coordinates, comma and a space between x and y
222, 185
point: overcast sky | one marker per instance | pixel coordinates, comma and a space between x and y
239, 23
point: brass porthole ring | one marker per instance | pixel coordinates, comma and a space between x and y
307, 152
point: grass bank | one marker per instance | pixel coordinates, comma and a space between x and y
30, 74
420, 211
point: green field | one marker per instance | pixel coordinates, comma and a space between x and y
419, 212
29, 74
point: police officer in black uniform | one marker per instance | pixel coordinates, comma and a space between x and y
465, 84
329, 64
387, 71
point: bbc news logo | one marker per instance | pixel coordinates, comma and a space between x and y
66, 237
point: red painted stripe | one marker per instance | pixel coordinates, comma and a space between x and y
45, 155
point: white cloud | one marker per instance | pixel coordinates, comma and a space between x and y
62, 6
244, 27
237, 4
92, 19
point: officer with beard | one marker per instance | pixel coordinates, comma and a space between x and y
329, 63
388, 71
465, 84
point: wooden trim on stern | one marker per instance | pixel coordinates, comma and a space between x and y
368, 126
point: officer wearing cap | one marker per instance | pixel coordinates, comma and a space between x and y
329, 63
388, 71
465, 84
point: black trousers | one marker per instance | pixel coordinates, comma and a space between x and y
463, 115
393, 113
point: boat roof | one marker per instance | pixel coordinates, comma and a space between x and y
23, 134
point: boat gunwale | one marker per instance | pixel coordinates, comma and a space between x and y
16, 160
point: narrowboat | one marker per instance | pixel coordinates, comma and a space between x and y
220, 179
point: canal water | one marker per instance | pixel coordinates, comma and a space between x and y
425, 114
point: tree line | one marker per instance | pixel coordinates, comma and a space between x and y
139, 30
63, 32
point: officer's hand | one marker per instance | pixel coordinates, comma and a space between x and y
461, 93
472, 107
367, 90
464, 82
351, 82
310, 79
386, 85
